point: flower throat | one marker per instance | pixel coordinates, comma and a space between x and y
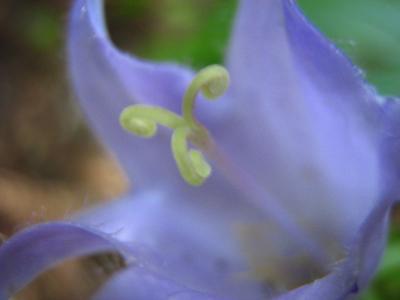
142, 120
213, 81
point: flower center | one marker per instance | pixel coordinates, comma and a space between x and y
212, 81
142, 120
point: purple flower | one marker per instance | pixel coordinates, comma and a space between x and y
302, 180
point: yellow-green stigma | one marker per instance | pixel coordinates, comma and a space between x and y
142, 120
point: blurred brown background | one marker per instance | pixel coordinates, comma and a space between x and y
50, 164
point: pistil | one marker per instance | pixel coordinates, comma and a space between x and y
142, 120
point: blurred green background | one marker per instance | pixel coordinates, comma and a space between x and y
196, 33
44, 142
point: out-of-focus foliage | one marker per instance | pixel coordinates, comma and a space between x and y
40, 28
190, 32
386, 285
369, 31
197, 33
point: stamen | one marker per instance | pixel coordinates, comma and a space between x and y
142, 120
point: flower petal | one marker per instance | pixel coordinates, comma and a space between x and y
271, 39
304, 119
40, 247
391, 144
140, 284
353, 274
325, 66
186, 243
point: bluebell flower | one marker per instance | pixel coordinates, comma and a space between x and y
284, 194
